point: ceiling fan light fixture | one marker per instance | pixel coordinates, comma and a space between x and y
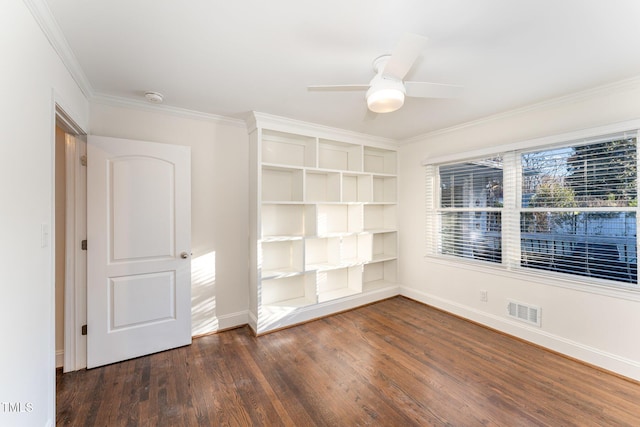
385, 100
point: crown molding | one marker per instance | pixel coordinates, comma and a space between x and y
43, 16
565, 99
117, 101
283, 124
586, 135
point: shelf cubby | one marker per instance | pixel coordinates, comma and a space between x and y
339, 283
282, 258
380, 217
322, 253
385, 189
338, 219
281, 184
293, 291
339, 156
280, 220
322, 186
288, 149
379, 160
355, 249
384, 246
379, 275
356, 188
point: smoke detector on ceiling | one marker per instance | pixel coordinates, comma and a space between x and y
154, 97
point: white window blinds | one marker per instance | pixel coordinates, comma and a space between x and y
468, 205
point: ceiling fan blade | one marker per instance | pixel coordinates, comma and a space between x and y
343, 88
370, 115
432, 90
404, 55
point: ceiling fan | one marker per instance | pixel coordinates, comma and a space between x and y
386, 91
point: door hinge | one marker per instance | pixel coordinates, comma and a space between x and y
84, 330
83, 160
83, 245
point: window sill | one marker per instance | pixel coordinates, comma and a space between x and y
593, 286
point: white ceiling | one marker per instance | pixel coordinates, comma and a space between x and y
232, 57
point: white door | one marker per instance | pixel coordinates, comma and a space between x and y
139, 248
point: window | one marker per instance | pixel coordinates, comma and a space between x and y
469, 210
568, 209
579, 209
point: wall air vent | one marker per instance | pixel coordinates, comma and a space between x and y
524, 312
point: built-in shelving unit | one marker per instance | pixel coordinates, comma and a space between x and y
324, 221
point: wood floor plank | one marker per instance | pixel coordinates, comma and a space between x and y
396, 362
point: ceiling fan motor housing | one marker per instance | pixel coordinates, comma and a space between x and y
385, 94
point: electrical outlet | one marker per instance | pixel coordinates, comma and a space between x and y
484, 296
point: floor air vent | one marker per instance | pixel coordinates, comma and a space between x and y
524, 312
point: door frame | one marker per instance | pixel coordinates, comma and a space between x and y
75, 286
75, 344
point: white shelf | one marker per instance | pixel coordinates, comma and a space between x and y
385, 189
282, 257
322, 186
378, 160
325, 220
279, 220
356, 249
280, 238
384, 246
338, 219
288, 149
377, 275
380, 217
337, 252
322, 253
377, 285
281, 184
333, 284
382, 257
295, 291
279, 274
337, 293
291, 303
339, 156
356, 188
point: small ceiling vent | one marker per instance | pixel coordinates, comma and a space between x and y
524, 312
154, 97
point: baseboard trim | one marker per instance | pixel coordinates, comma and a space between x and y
611, 362
317, 311
59, 358
253, 323
223, 323
233, 320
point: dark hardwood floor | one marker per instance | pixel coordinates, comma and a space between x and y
393, 363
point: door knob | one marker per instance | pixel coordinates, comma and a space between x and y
184, 255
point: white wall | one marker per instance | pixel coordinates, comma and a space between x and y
600, 329
32, 78
219, 213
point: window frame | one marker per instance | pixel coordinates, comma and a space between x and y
512, 210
